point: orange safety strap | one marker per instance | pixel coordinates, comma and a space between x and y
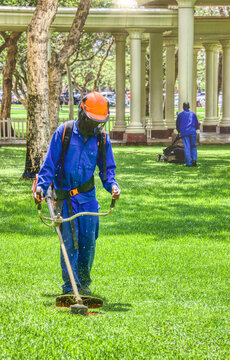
63, 135
74, 192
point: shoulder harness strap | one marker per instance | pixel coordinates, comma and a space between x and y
66, 136
102, 151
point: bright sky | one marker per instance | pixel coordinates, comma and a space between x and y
126, 3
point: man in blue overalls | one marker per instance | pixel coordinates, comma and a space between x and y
73, 179
186, 125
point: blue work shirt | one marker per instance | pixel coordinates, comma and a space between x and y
186, 123
80, 163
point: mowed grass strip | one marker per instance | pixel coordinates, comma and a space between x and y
162, 265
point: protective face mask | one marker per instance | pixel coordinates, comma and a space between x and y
88, 127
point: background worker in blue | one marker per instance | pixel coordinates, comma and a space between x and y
186, 125
73, 179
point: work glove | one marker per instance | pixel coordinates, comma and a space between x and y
39, 195
115, 192
37, 192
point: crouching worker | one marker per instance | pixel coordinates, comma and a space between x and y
70, 164
186, 125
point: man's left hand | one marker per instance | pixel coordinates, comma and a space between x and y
115, 192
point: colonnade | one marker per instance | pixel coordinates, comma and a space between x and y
225, 121
158, 29
211, 121
142, 129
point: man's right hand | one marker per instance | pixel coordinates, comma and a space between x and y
39, 196
115, 192
37, 192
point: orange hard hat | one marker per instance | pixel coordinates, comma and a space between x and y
95, 106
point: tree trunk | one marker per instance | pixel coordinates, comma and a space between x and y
8, 76
17, 87
70, 86
58, 61
55, 88
78, 88
38, 90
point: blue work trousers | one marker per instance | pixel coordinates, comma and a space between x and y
81, 259
190, 149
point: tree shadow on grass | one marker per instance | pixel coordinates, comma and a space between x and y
159, 216
50, 295
49, 304
160, 206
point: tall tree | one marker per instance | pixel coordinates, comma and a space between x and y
45, 82
20, 73
91, 54
70, 87
11, 45
11, 41
37, 87
59, 60
102, 62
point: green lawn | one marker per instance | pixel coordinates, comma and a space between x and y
162, 265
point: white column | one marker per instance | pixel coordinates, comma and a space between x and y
185, 40
225, 121
144, 45
120, 124
215, 83
156, 123
195, 53
135, 126
210, 121
170, 84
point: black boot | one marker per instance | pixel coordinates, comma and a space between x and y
194, 163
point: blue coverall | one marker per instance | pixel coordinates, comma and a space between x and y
80, 163
187, 124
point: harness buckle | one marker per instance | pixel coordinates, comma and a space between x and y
74, 192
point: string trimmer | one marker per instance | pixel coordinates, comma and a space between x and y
78, 304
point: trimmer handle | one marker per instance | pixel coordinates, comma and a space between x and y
39, 196
112, 205
37, 193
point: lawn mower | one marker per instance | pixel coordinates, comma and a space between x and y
78, 304
173, 153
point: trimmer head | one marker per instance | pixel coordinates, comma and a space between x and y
78, 309
88, 301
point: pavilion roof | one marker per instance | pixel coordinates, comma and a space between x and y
166, 3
